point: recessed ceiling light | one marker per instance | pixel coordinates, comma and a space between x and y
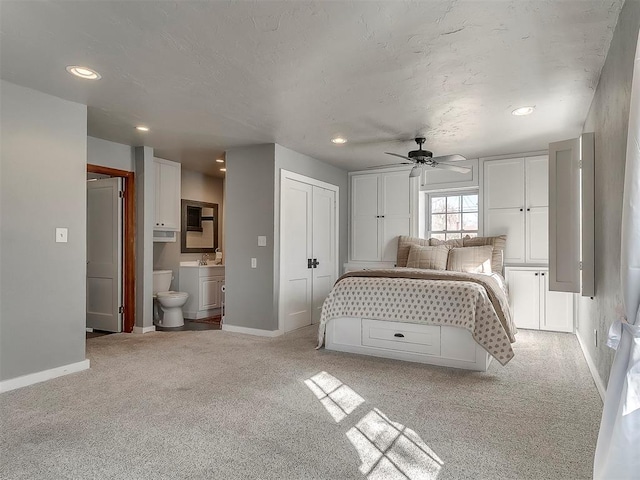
142, 128
223, 169
339, 140
219, 160
83, 72
519, 112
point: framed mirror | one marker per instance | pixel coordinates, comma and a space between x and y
199, 233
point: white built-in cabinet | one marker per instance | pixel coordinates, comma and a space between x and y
204, 286
516, 203
533, 306
381, 210
167, 195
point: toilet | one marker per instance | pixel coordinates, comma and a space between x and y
170, 302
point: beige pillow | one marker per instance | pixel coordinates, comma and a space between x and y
470, 259
434, 258
404, 244
454, 242
498, 243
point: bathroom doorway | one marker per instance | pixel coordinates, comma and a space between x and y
126, 279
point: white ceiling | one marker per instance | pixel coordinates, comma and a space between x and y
206, 77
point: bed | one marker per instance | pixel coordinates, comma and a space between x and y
449, 308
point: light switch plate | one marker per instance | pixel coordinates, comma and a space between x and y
254, 263
61, 235
262, 240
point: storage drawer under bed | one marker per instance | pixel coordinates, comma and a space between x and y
406, 337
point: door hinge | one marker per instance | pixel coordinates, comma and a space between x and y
580, 265
121, 309
121, 194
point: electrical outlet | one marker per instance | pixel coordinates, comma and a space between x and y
595, 337
254, 263
262, 240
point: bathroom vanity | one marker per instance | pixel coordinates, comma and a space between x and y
204, 284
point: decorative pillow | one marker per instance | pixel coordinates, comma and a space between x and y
470, 259
498, 243
453, 243
404, 244
434, 258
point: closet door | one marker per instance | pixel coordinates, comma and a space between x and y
537, 209
524, 296
394, 212
364, 218
324, 251
504, 205
296, 250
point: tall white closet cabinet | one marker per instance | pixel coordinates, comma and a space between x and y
381, 210
516, 203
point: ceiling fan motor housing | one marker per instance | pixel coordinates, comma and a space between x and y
420, 155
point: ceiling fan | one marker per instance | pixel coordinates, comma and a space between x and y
424, 158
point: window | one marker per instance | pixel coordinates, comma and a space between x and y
452, 215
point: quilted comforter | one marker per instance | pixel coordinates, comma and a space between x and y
476, 302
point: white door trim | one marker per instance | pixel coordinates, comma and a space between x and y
318, 183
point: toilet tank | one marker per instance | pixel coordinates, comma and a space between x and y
162, 280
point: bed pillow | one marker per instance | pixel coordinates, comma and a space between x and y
470, 259
434, 258
498, 243
404, 244
453, 243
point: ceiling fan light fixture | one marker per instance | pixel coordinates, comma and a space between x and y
522, 111
83, 72
339, 140
416, 171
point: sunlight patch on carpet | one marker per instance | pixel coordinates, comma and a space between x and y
338, 399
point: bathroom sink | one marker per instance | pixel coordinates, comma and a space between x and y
195, 263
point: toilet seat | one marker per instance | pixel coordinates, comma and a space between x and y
172, 294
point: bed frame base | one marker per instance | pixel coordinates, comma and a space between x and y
432, 344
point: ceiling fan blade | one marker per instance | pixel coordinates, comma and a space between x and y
453, 168
449, 158
389, 165
400, 156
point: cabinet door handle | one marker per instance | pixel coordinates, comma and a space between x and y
542, 274
399, 335
522, 209
536, 274
309, 264
528, 209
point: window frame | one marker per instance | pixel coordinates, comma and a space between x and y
428, 232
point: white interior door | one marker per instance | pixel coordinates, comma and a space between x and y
104, 254
324, 247
296, 250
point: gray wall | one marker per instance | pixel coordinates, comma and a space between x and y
43, 186
202, 188
145, 218
249, 212
110, 154
609, 117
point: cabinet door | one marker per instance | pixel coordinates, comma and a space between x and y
557, 307
537, 181
170, 195
209, 293
364, 218
510, 222
395, 212
537, 234
504, 183
524, 296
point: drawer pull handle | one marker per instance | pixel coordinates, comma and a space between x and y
399, 335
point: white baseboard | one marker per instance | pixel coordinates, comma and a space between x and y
89, 330
152, 328
251, 331
592, 368
30, 379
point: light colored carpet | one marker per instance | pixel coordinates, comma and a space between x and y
214, 404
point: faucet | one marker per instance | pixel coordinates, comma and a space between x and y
204, 259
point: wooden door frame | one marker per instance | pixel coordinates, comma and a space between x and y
129, 243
